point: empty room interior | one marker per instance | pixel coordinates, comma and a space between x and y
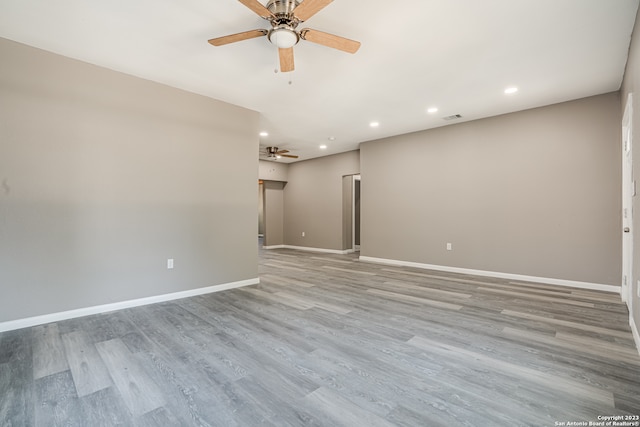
317, 212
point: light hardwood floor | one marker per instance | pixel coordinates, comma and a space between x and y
326, 340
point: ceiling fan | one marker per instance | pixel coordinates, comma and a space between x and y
284, 17
274, 153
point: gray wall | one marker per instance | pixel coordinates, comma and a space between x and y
535, 193
104, 176
631, 84
313, 200
273, 171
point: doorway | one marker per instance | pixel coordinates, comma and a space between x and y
350, 213
272, 219
260, 208
628, 192
356, 213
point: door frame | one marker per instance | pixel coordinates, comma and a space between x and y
356, 248
628, 192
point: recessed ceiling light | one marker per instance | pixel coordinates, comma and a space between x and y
511, 90
374, 124
323, 147
432, 110
332, 138
264, 133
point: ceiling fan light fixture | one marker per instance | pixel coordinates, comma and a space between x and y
283, 37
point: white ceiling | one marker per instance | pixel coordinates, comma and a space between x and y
457, 55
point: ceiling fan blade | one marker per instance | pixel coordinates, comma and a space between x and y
232, 38
258, 8
330, 40
308, 8
288, 155
286, 59
282, 152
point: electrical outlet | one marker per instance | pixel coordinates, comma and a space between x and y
170, 263
449, 247
303, 234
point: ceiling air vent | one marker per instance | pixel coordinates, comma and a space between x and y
454, 117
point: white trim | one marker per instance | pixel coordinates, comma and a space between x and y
98, 309
305, 248
326, 251
634, 331
546, 280
628, 192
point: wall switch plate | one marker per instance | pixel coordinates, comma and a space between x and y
170, 263
449, 247
303, 234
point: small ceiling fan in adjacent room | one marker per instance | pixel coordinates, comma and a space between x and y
284, 17
272, 153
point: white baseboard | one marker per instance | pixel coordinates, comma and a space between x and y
634, 331
510, 276
305, 248
98, 309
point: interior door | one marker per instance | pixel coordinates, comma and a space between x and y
628, 192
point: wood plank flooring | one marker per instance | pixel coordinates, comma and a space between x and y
326, 340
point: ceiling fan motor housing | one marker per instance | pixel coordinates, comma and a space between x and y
282, 8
